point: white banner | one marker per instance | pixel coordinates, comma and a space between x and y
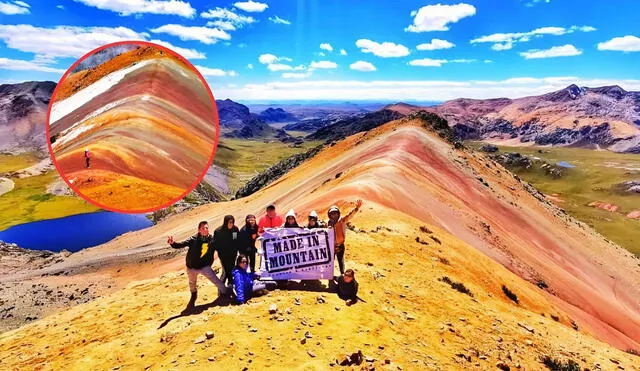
297, 254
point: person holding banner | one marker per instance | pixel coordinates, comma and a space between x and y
226, 242
313, 221
339, 226
248, 236
271, 220
199, 259
290, 220
243, 281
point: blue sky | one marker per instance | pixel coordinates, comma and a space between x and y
345, 50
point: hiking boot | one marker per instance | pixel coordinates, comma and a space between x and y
192, 301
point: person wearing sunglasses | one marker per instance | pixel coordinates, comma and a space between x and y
244, 283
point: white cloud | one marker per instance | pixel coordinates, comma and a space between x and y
129, 7
203, 34
14, 7
436, 44
583, 28
62, 41
250, 66
556, 51
385, 49
505, 41
279, 67
296, 75
274, 63
300, 67
326, 46
279, 20
226, 15
627, 43
73, 41
20, 65
362, 66
251, 6
420, 90
270, 58
427, 62
500, 47
223, 25
533, 2
321, 54
215, 72
60, 7
438, 17
323, 65
343, 52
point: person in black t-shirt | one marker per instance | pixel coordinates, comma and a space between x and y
348, 287
199, 258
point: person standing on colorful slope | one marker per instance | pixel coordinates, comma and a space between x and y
87, 157
339, 226
226, 240
199, 258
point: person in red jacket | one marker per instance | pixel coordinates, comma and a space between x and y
271, 220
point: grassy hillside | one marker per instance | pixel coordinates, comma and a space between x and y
247, 158
594, 178
10, 162
28, 201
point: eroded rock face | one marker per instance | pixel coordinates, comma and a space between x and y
23, 111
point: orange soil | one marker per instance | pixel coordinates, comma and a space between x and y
484, 237
81, 79
410, 318
123, 192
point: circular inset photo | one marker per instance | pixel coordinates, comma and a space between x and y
132, 127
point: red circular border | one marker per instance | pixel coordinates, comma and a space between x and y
215, 120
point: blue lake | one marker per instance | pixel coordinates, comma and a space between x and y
565, 164
74, 232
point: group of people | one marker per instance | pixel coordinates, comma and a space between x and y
236, 250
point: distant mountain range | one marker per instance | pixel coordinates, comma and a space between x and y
605, 117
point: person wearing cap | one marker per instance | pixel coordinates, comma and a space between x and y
290, 220
247, 244
87, 158
313, 221
270, 220
226, 242
200, 256
339, 226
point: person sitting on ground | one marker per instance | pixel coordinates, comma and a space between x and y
243, 281
348, 287
314, 222
290, 220
247, 244
340, 230
270, 220
226, 242
200, 256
